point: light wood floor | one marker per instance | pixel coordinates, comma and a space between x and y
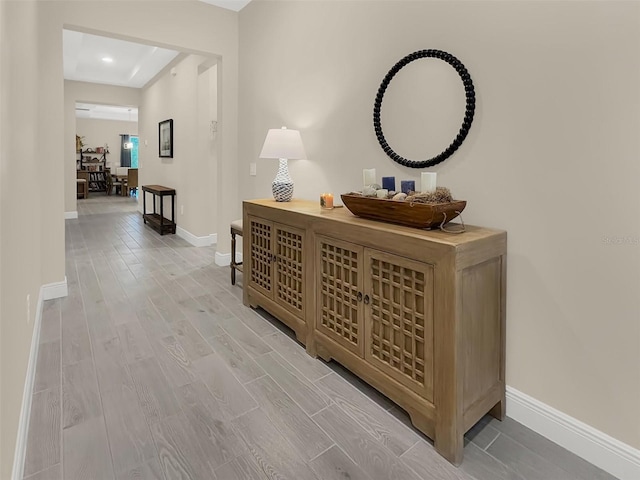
152, 368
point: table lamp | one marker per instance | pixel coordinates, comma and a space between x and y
283, 144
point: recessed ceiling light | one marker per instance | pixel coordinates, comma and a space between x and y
107, 59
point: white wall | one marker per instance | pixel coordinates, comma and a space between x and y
34, 113
4, 92
98, 132
24, 164
552, 157
208, 143
185, 99
109, 131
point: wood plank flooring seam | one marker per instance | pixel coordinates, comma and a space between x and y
251, 381
334, 444
318, 379
492, 441
297, 403
319, 412
244, 413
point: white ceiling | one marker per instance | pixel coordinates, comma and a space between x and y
236, 5
133, 65
106, 112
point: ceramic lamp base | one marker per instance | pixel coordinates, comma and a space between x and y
282, 186
282, 192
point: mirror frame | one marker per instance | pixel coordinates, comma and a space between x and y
468, 115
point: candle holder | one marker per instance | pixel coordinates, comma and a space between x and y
428, 182
389, 183
368, 176
326, 201
408, 186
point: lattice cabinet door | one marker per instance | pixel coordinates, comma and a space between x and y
339, 295
262, 258
289, 271
398, 319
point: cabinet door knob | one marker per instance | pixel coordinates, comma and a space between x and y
359, 296
366, 299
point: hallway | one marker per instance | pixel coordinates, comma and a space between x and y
151, 368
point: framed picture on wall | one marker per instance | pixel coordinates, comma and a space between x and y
165, 138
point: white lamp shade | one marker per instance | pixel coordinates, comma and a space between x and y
283, 143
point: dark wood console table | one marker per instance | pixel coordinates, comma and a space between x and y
157, 221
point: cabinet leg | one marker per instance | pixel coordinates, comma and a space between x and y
323, 353
311, 346
301, 337
450, 448
421, 422
312, 351
449, 433
499, 410
248, 300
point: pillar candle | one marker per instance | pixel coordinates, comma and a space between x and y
326, 200
428, 182
407, 186
369, 176
389, 183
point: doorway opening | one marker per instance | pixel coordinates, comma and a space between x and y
129, 150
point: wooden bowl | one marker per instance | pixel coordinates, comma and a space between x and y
418, 215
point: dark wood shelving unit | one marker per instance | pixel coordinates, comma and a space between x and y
97, 176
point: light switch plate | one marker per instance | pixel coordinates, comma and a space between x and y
252, 169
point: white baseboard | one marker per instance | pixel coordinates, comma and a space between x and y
47, 292
205, 241
27, 395
70, 215
224, 259
598, 448
55, 290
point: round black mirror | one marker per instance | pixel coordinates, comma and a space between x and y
469, 108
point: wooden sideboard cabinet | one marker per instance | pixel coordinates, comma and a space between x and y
276, 274
419, 315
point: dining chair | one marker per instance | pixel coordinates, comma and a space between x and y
122, 176
112, 182
132, 181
